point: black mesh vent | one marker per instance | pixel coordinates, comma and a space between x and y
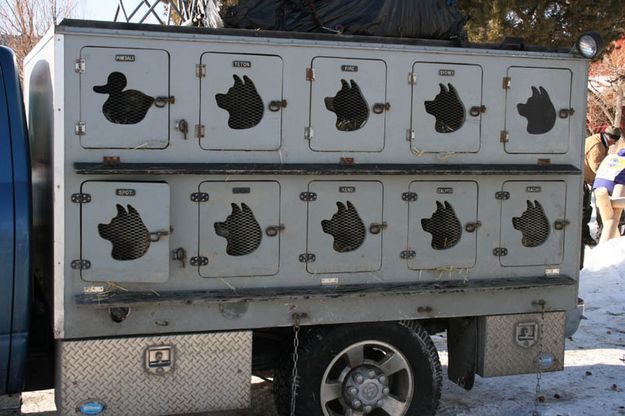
346, 227
243, 103
533, 224
127, 233
448, 110
444, 226
539, 112
241, 231
350, 107
123, 107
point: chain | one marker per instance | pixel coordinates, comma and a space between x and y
539, 370
294, 376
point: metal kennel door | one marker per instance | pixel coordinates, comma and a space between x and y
124, 98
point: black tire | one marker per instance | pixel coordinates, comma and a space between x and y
321, 347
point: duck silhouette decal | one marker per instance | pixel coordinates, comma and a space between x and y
534, 225
123, 107
444, 226
243, 103
350, 107
539, 112
241, 231
127, 233
448, 110
346, 227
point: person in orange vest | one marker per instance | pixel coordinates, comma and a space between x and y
595, 150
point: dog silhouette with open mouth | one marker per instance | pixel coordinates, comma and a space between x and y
243, 104
123, 107
539, 112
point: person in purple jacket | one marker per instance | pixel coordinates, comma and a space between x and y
609, 182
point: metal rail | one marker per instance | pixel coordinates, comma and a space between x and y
202, 13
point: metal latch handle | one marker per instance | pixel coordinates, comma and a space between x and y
156, 235
471, 227
274, 230
475, 111
161, 102
276, 105
566, 112
379, 108
377, 227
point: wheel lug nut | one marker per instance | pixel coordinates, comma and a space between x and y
386, 390
382, 379
371, 374
353, 391
380, 403
359, 378
367, 409
356, 404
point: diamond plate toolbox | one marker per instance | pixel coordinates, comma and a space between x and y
511, 344
168, 374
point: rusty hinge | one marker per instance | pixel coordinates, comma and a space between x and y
412, 78
408, 254
80, 264
80, 128
505, 84
308, 196
500, 252
503, 136
308, 133
80, 65
200, 70
307, 258
198, 261
502, 195
81, 198
311, 75
200, 197
199, 131
410, 135
409, 196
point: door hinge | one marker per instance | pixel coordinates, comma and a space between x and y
307, 258
81, 198
308, 196
80, 65
200, 197
505, 84
410, 135
200, 70
199, 131
80, 264
311, 75
500, 252
503, 136
80, 128
412, 78
199, 261
408, 254
308, 133
409, 196
502, 195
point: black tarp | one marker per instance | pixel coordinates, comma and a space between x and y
425, 19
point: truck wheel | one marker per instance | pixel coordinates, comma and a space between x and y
379, 369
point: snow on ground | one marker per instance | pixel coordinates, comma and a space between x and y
592, 383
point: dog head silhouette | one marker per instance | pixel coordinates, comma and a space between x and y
346, 227
539, 112
126, 245
444, 226
448, 110
350, 107
534, 225
243, 104
241, 231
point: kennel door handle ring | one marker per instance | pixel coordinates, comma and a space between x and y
379, 108
156, 235
161, 102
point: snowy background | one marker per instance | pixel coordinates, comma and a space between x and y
592, 383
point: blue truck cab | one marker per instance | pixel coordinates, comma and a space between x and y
15, 229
